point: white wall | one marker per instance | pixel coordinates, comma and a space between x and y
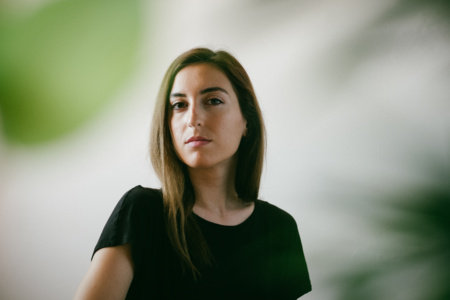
338, 133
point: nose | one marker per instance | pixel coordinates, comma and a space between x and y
194, 116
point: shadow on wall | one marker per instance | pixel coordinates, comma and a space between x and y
413, 263
412, 258
62, 63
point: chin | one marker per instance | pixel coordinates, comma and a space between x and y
199, 165
207, 163
207, 160
197, 161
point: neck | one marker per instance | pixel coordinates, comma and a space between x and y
214, 189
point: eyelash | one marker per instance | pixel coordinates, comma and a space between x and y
211, 101
175, 105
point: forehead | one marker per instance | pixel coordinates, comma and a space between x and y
199, 76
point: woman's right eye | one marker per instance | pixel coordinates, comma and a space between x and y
178, 105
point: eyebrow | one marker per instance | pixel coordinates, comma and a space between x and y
204, 91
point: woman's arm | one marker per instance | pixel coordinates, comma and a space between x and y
109, 275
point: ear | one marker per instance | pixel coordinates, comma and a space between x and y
245, 129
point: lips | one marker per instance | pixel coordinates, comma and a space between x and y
197, 141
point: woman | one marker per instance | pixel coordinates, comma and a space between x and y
204, 235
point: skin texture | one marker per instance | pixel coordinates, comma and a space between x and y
203, 103
199, 109
109, 275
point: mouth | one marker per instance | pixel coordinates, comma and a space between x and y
197, 141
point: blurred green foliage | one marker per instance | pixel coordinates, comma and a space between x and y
378, 36
411, 258
416, 263
60, 64
439, 8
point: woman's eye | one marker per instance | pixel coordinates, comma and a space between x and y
214, 101
178, 105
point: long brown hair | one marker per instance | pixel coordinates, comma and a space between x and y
177, 189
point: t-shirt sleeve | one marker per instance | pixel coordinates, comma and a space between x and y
130, 221
293, 280
297, 269
118, 230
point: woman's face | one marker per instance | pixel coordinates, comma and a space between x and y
206, 122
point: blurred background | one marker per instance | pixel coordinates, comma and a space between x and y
355, 96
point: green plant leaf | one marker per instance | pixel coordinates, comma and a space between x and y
60, 65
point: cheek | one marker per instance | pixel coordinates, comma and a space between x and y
234, 129
239, 125
174, 126
174, 133
177, 133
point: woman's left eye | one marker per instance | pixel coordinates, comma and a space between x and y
214, 101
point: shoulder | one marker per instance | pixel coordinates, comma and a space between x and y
141, 197
138, 193
138, 205
274, 214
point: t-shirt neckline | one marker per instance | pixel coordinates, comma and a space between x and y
230, 227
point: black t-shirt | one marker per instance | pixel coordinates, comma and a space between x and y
261, 258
